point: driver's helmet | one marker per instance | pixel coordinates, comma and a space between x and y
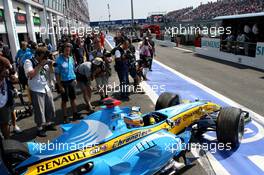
152, 120
134, 120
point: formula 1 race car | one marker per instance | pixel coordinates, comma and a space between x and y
122, 140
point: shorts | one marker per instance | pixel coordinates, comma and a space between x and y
102, 81
84, 84
69, 88
5, 113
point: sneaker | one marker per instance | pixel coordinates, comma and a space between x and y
41, 133
66, 120
51, 127
16, 129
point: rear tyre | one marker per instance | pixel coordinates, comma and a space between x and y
230, 126
14, 153
167, 100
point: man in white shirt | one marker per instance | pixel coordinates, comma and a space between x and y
42, 98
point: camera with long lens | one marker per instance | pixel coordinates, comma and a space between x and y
131, 58
49, 57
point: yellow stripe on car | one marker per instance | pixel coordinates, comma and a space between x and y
182, 120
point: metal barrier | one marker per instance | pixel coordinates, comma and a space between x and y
239, 48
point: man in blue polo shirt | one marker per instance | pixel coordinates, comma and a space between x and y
66, 80
22, 55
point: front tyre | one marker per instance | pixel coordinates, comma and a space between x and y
167, 100
14, 153
230, 126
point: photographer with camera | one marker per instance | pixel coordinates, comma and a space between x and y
132, 62
99, 50
145, 56
101, 76
6, 96
36, 70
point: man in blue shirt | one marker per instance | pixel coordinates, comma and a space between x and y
22, 55
49, 45
66, 80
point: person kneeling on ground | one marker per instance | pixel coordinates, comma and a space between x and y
42, 99
84, 75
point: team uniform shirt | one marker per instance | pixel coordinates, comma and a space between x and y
23, 55
65, 68
39, 83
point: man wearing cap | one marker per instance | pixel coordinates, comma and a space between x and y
66, 80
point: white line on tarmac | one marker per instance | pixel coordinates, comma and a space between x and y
217, 166
225, 99
186, 50
219, 169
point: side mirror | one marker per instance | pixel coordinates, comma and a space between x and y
170, 122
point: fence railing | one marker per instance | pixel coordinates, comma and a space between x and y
239, 48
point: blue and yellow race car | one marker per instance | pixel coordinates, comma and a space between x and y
122, 140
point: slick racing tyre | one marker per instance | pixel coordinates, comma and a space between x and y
230, 126
166, 100
14, 153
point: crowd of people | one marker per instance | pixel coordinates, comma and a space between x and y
127, 64
177, 14
39, 69
243, 41
214, 9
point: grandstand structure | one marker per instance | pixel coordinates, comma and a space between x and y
213, 9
